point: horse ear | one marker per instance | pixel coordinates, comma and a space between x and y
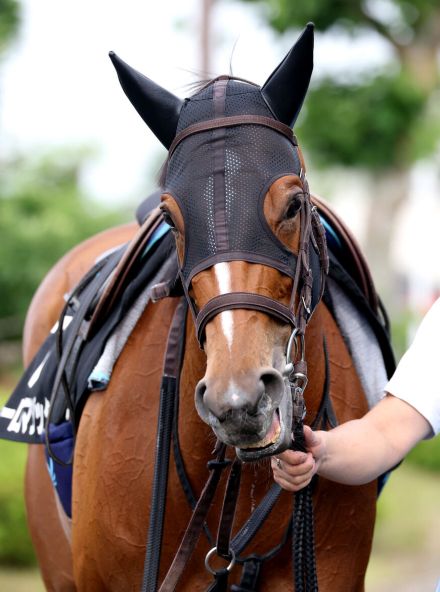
159, 108
286, 87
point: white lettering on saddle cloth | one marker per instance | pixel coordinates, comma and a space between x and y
28, 417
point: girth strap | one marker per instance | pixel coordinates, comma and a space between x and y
246, 300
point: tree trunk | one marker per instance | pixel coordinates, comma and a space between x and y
388, 192
420, 60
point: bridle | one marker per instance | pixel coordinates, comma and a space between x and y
302, 303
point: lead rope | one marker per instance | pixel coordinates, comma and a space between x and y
303, 536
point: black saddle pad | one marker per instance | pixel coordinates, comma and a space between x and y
23, 417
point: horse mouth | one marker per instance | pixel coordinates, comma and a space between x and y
277, 438
271, 436
256, 437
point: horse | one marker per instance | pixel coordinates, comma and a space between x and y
237, 200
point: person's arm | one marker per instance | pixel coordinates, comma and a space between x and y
357, 451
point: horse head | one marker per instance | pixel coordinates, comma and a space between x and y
247, 237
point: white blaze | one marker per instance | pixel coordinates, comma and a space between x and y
223, 276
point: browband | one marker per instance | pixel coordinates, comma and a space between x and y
246, 300
211, 124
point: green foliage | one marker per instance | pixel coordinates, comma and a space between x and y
15, 543
383, 121
285, 14
368, 124
400, 330
391, 18
426, 455
42, 215
9, 21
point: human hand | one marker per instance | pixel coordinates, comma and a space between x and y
293, 470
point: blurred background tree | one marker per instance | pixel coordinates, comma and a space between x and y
9, 21
381, 122
43, 213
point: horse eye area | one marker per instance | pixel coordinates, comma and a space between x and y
293, 206
168, 219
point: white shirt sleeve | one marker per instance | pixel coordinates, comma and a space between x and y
417, 376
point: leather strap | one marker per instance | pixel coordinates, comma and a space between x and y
233, 120
116, 283
361, 267
168, 396
195, 525
228, 510
249, 577
246, 300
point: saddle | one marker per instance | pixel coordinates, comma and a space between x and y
349, 252
113, 289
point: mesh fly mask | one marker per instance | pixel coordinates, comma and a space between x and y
228, 151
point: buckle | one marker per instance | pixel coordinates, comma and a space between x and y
228, 567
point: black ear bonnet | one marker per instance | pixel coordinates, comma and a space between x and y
216, 176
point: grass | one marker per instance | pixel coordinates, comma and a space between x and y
427, 455
15, 543
406, 547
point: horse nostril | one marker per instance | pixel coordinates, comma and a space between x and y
255, 394
200, 393
199, 399
273, 385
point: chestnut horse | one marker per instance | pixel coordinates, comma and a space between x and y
250, 242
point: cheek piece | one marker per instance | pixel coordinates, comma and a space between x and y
228, 150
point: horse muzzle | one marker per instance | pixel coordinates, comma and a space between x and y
281, 436
256, 421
